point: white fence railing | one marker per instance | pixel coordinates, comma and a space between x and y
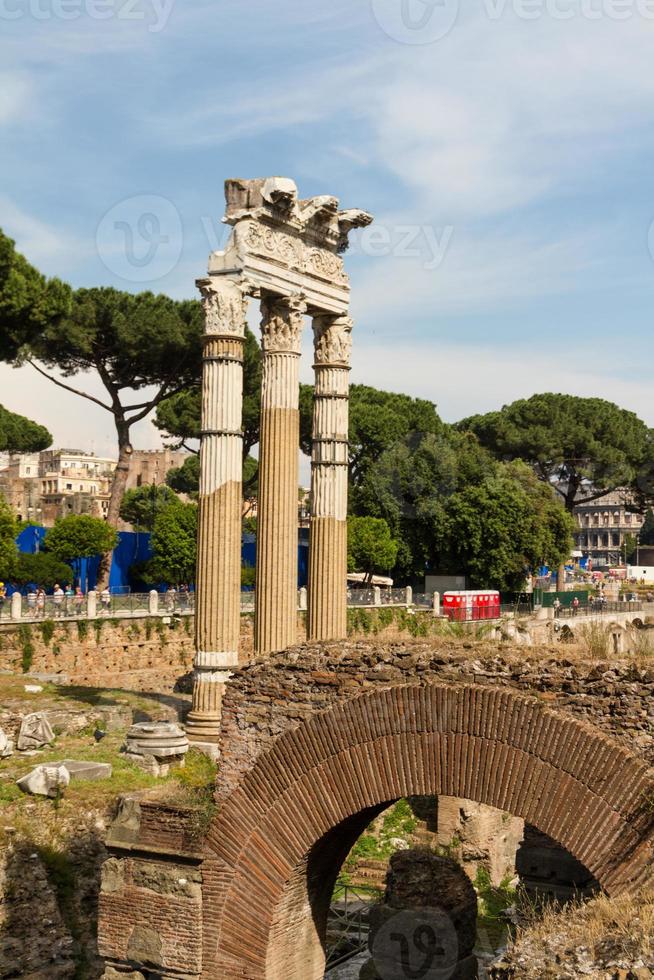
97, 605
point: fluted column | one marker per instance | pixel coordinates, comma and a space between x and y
275, 618
329, 468
218, 576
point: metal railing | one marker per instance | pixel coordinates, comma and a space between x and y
347, 925
136, 604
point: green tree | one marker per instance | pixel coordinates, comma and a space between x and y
409, 486
141, 505
133, 342
29, 303
41, 569
370, 547
498, 530
174, 543
647, 530
379, 420
8, 532
20, 435
80, 536
185, 478
585, 447
629, 548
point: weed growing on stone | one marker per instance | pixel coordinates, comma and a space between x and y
26, 645
47, 628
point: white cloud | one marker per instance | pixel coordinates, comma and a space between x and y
40, 242
15, 96
500, 114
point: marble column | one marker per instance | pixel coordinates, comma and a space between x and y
218, 577
327, 618
275, 618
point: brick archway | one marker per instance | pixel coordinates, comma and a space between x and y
279, 839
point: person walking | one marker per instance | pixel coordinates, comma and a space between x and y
78, 599
575, 606
3, 596
105, 599
557, 607
40, 602
58, 600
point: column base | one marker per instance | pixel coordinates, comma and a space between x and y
211, 749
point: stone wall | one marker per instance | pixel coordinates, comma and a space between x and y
315, 739
265, 699
144, 654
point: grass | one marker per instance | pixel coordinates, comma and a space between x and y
609, 929
596, 639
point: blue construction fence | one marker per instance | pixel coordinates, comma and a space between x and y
133, 548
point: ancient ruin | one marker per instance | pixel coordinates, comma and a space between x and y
285, 252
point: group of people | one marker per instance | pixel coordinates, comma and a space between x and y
178, 597
65, 602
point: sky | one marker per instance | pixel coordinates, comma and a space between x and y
504, 147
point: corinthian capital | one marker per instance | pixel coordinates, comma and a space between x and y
332, 339
281, 324
225, 305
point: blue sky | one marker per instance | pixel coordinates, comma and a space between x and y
505, 148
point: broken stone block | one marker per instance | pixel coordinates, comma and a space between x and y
426, 921
87, 770
45, 780
162, 739
156, 745
149, 764
6, 745
35, 732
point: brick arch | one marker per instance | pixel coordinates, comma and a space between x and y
288, 824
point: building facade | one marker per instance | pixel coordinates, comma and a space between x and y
603, 527
149, 467
42, 487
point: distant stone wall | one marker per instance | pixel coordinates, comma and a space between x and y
145, 654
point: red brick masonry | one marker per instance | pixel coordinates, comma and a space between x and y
315, 741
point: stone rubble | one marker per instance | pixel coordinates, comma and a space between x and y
156, 746
35, 732
6, 745
45, 780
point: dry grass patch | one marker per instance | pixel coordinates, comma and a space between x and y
599, 933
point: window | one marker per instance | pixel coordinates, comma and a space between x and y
627, 518
28, 470
69, 486
616, 540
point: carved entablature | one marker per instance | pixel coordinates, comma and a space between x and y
281, 324
285, 245
332, 340
225, 305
